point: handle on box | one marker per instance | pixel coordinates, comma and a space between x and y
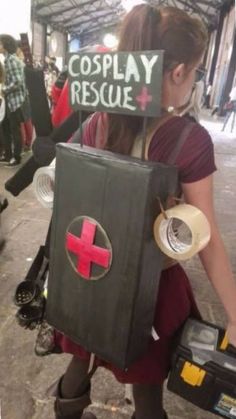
225, 343
226, 346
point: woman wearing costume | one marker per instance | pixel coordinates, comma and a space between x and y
184, 39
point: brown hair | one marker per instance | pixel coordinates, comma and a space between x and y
182, 37
9, 43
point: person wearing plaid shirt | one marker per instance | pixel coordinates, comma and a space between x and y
15, 93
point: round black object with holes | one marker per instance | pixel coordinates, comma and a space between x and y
30, 316
25, 293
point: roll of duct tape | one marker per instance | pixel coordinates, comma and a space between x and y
43, 184
184, 232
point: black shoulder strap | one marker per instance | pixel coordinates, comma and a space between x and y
180, 143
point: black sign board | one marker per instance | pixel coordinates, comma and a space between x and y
118, 82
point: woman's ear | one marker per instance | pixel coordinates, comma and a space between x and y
178, 74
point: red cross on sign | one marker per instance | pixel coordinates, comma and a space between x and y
144, 98
86, 251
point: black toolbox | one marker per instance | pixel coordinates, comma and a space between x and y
204, 369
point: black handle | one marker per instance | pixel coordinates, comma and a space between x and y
40, 112
231, 350
22, 178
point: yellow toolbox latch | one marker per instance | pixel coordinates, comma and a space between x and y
224, 343
192, 374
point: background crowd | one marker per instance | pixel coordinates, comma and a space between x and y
16, 128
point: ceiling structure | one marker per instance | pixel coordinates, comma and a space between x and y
87, 17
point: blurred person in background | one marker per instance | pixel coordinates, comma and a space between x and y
26, 125
230, 108
51, 75
2, 114
208, 96
14, 91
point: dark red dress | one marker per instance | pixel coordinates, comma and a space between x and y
175, 301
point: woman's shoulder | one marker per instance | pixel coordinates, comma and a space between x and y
198, 140
167, 135
176, 124
93, 126
195, 159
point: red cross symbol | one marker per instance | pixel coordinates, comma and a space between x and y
86, 251
144, 98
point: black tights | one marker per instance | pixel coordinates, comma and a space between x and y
148, 401
73, 384
147, 397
